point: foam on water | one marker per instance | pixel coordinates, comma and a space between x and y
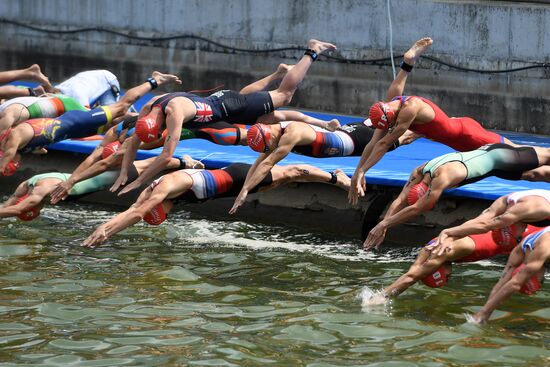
373, 300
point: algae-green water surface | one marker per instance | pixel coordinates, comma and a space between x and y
199, 292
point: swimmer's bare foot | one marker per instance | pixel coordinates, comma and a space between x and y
40, 151
35, 73
282, 69
165, 78
319, 46
333, 125
192, 163
343, 181
417, 49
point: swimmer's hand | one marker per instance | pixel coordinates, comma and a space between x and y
238, 202
333, 125
121, 181
95, 239
357, 188
376, 237
61, 192
480, 318
442, 244
134, 185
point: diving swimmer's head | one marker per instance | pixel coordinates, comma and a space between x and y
416, 192
159, 213
11, 167
29, 214
439, 277
381, 115
532, 285
110, 149
148, 127
258, 137
512, 234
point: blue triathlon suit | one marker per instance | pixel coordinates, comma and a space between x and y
73, 124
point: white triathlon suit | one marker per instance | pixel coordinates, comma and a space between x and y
86, 87
514, 197
25, 101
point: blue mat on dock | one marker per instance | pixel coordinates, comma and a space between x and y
393, 170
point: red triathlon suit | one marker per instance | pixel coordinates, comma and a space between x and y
460, 133
485, 246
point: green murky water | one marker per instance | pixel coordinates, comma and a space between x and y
204, 293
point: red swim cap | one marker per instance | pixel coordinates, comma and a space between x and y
438, 278
11, 167
532, 285
381, 115
110, 149
416, 192
507, 236
156, 216
30, 213
258, 137
148, 129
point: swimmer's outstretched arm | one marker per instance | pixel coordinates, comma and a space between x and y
425, 203
132, 146
423, 266
174, 118
35, 198
374, 151
263, 165
148, 199
494, 217
83, 171
513, 285
290, 115
22, 190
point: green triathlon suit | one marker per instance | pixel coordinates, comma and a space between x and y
54, 106
500, 160
98, 183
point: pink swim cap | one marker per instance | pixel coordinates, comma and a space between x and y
156, 216
416, 192
110, 149
30, 213
258, 137
532, 285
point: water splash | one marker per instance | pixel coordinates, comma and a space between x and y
470, 319
373, 300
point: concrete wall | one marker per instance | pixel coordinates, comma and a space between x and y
474, 34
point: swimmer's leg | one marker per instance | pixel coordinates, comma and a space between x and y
410, 57
283, 95
12, 115
33, 72
307, 173
264, 83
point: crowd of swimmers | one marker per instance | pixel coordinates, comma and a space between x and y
90, 103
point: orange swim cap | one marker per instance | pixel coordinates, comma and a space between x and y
156, 216
258, 137
110, 149
532, 285
148, 129
416, 192
438, 278
381, 115
30, 213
